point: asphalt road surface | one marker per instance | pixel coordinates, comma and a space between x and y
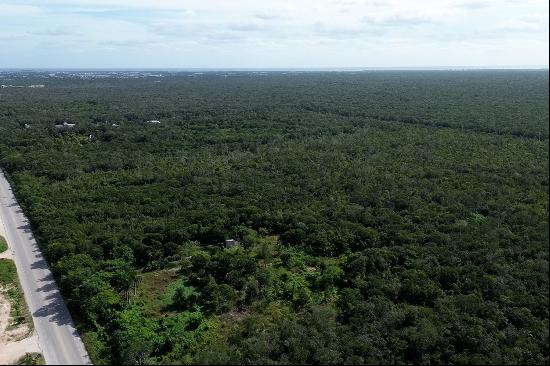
57, 336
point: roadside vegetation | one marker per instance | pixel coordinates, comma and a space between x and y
10, 287
381, 217
32, 359
3, 244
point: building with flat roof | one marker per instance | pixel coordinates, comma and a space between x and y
230, 243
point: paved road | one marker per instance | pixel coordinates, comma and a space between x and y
57, 336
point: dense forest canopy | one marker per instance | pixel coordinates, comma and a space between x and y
381, 217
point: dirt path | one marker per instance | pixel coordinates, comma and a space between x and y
15, 342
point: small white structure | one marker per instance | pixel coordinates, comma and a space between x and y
65, 125
27, 125
230, 243
153, 121
37, 86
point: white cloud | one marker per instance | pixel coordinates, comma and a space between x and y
397, 20
272, 33
9, 10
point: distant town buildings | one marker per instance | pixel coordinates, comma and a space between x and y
22, 86
65, 125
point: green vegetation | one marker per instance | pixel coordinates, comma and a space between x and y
3, 244
32, 359
9, 284
382, 217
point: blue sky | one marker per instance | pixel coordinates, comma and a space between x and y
283, 33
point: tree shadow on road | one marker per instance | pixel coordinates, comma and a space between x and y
47, 287
26, 228
40, 264
55, 311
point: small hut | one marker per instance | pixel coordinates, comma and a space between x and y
230, 243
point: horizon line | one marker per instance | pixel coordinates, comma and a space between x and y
344, 68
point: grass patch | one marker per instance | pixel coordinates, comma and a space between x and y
182, 294
31, 359
167, 297
10, 286
3, 244
152, 290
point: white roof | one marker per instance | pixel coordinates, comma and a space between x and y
65, 124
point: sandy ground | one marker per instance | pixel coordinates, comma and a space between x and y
15, 342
